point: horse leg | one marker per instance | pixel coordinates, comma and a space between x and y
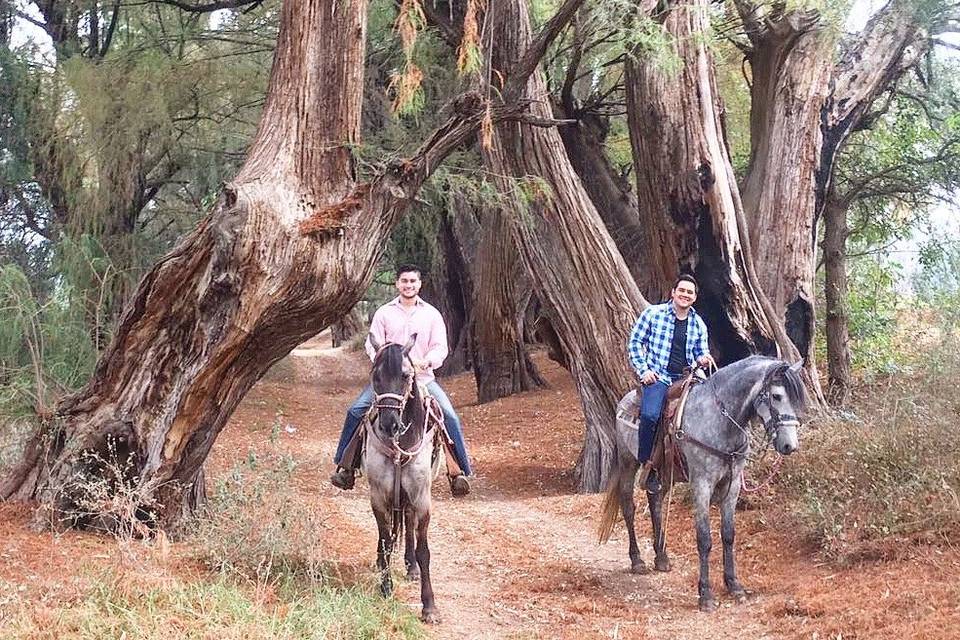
627, 507
384, 549
701, 507
727, 534
410, 538
429, 614
661, 561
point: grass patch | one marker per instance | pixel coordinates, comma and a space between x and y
221, 609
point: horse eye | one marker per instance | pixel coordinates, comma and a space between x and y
778, 397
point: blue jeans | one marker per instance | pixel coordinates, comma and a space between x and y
450, 420
651, 406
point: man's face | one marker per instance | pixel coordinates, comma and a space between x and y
684, 294
408, 284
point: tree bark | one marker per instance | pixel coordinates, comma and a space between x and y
803, 109
835, 234
573, 263
351, 324
502, 365
450, 290
688, 200
288, 248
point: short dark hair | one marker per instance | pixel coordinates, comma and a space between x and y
686, 277
407, 267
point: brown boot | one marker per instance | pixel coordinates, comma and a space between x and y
343, 479
459, 485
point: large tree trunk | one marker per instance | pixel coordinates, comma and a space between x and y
835, 234
450, 290
502, 293
803, 109
688, 199
289, 247
573, 263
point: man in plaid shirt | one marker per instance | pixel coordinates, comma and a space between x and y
665, 340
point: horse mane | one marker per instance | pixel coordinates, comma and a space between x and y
792, 383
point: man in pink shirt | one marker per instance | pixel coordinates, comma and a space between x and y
395, 322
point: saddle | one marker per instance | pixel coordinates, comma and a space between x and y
353, 454
666, 459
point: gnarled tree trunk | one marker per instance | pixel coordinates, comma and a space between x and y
573, 263
835, 232
803, 108
502, 365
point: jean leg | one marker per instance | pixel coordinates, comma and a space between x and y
355, 414
452, 422
650, 409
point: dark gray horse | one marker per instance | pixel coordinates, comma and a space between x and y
397, 465
715, 444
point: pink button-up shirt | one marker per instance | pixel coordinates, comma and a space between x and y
395, 323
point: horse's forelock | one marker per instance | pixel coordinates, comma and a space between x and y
793, 384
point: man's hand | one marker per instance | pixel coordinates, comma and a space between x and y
706, 361
648, 377
421, 366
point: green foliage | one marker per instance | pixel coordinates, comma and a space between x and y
44, 347
874, 306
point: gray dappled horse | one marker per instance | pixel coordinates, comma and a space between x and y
397, 465
715, 446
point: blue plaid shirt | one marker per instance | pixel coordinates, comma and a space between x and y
652, 336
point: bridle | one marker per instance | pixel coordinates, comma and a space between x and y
395, 401
777, 420
771, 425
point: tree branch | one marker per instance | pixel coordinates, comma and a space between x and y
211, 6
528, 62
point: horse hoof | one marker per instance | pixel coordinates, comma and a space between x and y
739, 595
386, 589
708, 605
413, 575
662, 564
639, 568
430, 617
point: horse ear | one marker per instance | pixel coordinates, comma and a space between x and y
373, 342
796, 366
410, 343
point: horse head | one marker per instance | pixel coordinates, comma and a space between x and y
392, 380
781, 399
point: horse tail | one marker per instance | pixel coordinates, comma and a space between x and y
610, 512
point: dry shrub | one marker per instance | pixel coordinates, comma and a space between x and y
254, 527
888, 471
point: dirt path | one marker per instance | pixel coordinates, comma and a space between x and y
518, 557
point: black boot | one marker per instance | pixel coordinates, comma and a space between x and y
343, 478
653, 482
459, 485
